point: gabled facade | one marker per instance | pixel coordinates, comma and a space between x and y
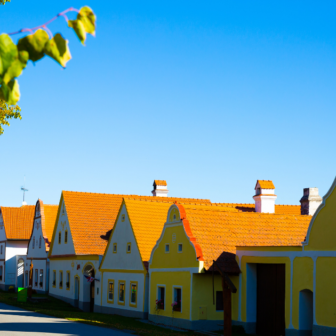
124, 267
15, 229
181, 263
38, 247
83, 226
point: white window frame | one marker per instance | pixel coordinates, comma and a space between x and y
157, 294
166, 248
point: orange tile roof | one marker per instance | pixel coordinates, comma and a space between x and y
147, 218
219, 231
18, 221
279, 208
265, 184
48, 220
92, 216
160, 182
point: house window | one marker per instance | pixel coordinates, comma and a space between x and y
177, 304
167, 248
59, 237
54, 279
34, 242
219, 300
133, 298
61, 279
26, 279
122, 292
114, 247
68, 280
179, 249
40, 242
110, 297
0, 273
1, 248
161, 298
41, 278
36, 277
128, 250
66, 237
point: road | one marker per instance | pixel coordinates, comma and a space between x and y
18, 322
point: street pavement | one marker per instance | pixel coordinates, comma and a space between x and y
17, 322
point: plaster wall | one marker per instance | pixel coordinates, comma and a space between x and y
303, 278
71, 266
36, 250
325, 299
128, 278
122, 235
2, 230
62, 226
202, 297
40, 265
13, 248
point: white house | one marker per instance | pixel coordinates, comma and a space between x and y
83, 226
38, 247
15, 229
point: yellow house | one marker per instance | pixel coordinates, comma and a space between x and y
181, 290
309, 271
124, 268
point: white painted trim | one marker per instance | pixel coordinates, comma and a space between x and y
321, 206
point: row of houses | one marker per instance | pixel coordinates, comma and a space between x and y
164, 258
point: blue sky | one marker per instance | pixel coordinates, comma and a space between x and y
210, 96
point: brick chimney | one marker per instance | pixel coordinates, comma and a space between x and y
160, 188
264, 196
310, 201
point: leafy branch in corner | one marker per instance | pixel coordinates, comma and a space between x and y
2, 2
33, 47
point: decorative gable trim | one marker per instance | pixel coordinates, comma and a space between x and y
55, 227
322, 205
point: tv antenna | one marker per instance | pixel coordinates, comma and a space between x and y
24, 191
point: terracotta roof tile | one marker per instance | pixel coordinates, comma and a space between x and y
160, 182
48, 220
265, 184
18, 221
279, 208
92, 216
221, 231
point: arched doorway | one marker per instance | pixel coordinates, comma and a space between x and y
20, 273
306, 307
90, 272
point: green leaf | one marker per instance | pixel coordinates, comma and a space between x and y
79, 29
88, 18
10, 92
57, 48
8, 52
34, 44
16, 67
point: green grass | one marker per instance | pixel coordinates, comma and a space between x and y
61, 309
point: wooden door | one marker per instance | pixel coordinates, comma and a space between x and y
271, 299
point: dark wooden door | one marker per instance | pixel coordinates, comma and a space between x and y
271, 299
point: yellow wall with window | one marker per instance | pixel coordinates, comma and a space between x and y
169, 280
173, 236
203, 296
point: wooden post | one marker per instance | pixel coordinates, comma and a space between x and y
30, 284
227, 309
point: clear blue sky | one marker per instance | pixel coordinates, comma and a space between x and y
210, 96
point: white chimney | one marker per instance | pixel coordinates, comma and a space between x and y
264, 197
160, 188
310, 201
